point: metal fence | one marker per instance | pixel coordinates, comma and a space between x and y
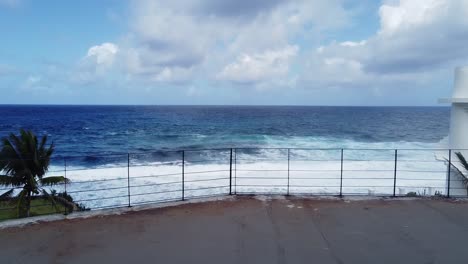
112, 181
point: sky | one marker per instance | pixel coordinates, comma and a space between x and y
231, 52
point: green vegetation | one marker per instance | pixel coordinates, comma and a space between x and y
422, 194
464, 163
24, 162
412, 194
39, 206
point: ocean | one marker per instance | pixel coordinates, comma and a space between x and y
102, 130
95, 141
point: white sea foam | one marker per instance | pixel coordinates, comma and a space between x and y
102, 187
369, 171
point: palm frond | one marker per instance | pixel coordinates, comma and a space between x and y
464, 163
43, 143
69, 204
462, 160
10, 154
7, 195
6, 180
53, 180
16, 147
49, 197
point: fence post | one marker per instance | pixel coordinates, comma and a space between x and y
183, 175
65, 175
128, 178
65, 171
230, 173
395, 173
341, 175
449, 172
235, 171
287, 190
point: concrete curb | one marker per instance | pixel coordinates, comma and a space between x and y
103, 212
264, 198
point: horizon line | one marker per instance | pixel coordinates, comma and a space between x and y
233, 105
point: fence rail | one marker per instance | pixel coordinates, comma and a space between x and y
187, 174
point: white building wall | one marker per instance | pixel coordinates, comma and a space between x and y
458, 138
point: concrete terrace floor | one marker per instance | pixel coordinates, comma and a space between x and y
250, 230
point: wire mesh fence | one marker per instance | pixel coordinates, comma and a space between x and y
112, 181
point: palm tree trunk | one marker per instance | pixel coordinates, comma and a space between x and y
28, 203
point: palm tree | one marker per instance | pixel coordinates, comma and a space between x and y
464, 163
23, 163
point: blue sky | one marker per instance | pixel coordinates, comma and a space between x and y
298, 52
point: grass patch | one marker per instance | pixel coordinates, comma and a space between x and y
39, 206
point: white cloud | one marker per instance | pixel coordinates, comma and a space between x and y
269, 43
98, 62
352, 43
277, 43
419, 35
260, 66
184, 37
101, 57
173, 75
416, 39
165, 39
409, 14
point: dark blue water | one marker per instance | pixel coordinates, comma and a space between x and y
99, 130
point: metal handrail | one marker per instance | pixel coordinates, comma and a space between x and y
237, 182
